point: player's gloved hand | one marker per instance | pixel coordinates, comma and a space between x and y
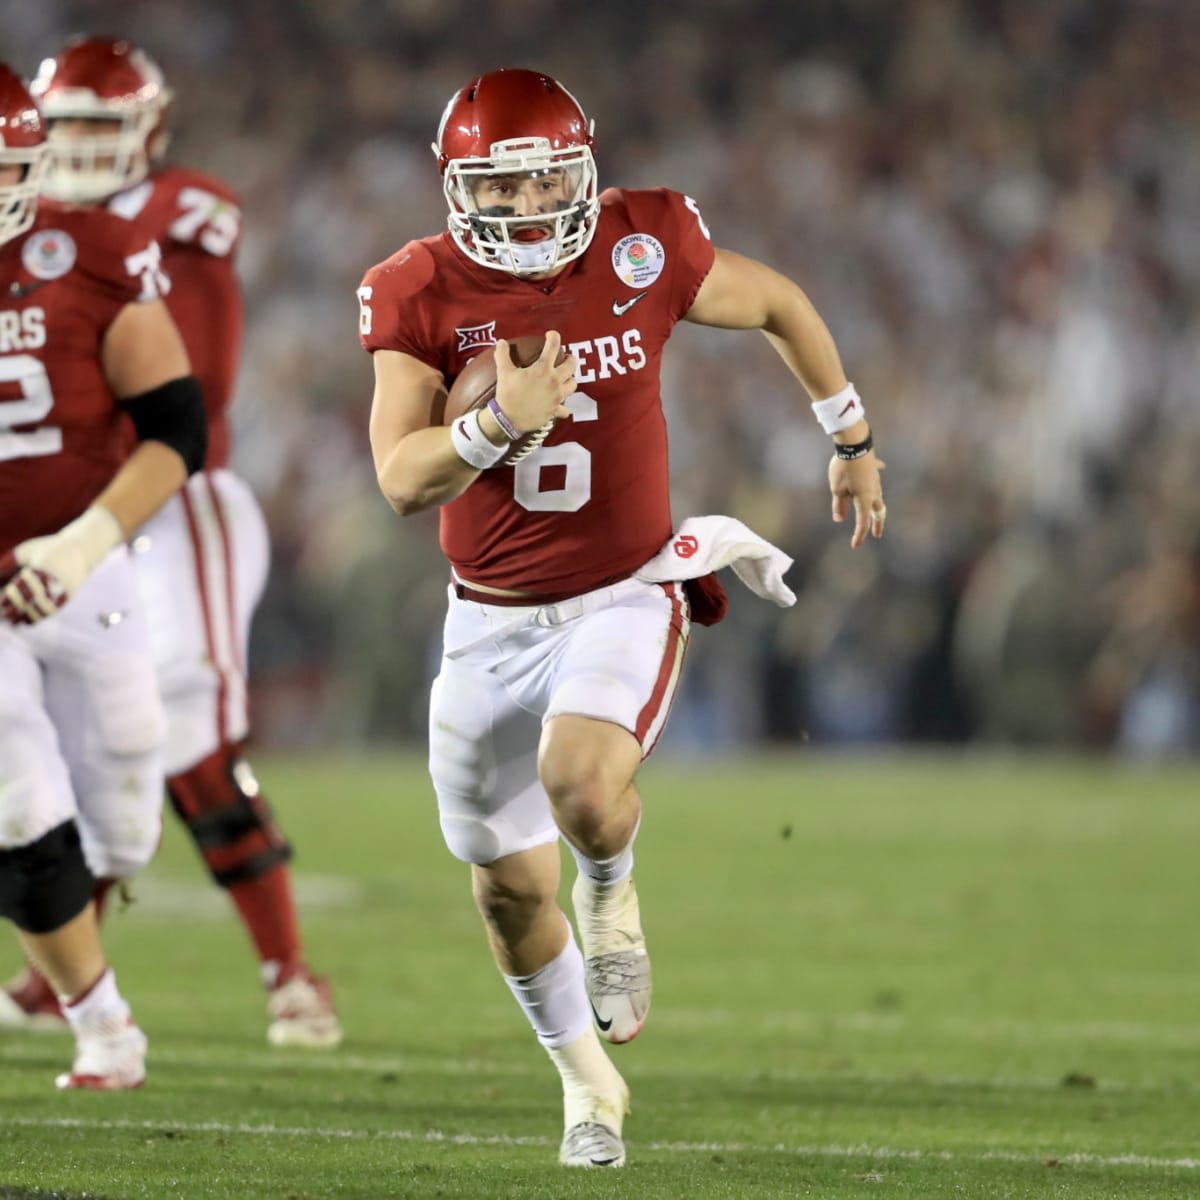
43, 573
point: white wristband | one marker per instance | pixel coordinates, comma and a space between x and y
472, 443
840, 411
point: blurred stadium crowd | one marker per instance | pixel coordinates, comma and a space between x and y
994, 203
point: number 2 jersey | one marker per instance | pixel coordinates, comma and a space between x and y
593, 503
62, 284
197, 222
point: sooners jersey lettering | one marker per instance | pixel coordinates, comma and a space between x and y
197, 222
592, 504
61, 285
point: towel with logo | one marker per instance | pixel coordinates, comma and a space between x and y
700, 547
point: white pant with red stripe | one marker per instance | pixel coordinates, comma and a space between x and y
614, 654
202, 565
81, 725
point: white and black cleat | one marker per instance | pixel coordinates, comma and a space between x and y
591, 1144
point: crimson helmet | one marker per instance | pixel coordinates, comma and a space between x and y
22, 144
101, 79
514, 122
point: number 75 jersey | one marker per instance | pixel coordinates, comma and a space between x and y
198, 223
62, 284
592, 504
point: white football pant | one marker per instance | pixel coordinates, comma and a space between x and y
202, 563
614, 654
82, 726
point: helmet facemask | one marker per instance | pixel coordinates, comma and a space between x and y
18, 201
88, 167
492, 237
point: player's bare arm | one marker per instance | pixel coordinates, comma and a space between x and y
147, 368
740, 293
417, 463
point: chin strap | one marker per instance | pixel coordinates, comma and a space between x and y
532, 256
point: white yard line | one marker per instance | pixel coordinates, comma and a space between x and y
440, 1137
29, 1051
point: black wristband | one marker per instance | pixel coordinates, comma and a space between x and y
857, 450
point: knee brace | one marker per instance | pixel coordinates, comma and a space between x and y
219, 802
46, 883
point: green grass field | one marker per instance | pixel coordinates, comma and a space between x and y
878, 977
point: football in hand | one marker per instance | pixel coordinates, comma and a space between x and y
476, 385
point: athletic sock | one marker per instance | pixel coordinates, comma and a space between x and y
554, 999
268, 912
606, 872
102, 1001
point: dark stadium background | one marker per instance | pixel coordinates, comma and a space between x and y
995, 204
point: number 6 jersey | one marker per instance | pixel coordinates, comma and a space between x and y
62, 283
593, 503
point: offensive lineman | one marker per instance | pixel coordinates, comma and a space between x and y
567, 620
202, 561
84, 338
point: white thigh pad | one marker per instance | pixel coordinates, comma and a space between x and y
483, 762
35, 787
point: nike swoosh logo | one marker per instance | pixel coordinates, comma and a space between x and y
462, 428
619, 310
605, 1026
23, 289
849, 405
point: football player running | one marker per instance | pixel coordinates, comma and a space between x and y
202, 560
568, 608
85, 341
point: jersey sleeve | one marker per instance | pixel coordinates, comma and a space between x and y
674, 220
694, 252
392, 314
119, 265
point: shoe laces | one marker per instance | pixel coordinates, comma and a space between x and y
594, 1141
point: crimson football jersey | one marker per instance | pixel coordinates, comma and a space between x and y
593, 503
61, 285
197, 222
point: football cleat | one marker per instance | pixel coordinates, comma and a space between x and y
110, 1056
300, 1006
28, 1002
591, 1144
595, 1140
614, 949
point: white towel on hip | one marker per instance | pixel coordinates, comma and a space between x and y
704, 544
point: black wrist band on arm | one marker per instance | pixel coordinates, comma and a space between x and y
857, 450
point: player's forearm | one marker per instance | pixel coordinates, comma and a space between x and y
151, 475
802, 339
424, 471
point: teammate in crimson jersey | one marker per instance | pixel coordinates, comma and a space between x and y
85, 341
202, 560
572, 588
